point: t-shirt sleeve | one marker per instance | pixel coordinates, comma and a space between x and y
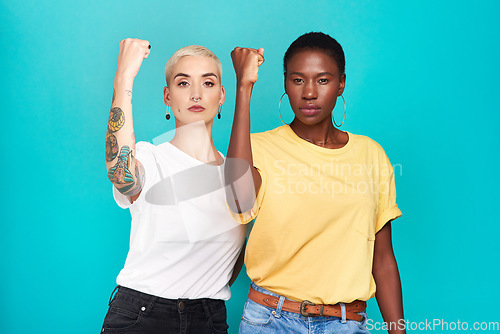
387, 207
258, 162
145, 155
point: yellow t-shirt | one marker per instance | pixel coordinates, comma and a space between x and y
318, 212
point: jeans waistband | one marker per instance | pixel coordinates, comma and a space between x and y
151, 299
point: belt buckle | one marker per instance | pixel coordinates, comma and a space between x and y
303, 308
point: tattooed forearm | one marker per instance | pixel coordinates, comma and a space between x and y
116, 119
136, 187
123, 170
120, 173
111, 147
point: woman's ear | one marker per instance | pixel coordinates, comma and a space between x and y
342, 85
166, 96
222, 97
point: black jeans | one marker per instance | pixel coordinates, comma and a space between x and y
131, 312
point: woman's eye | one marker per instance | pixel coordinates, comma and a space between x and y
183, 83
209, 84
323, 81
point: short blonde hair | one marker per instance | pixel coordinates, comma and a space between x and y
191, 50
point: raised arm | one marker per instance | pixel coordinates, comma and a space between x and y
386, 275
124, 170
241, 196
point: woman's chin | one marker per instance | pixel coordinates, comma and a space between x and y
310, 120
196, 118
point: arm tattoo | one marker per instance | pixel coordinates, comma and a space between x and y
111, 147
120, 173
116, 119
129, 93
136, 187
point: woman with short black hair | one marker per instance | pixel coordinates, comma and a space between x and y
323, 202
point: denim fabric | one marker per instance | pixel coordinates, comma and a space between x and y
262, 319
134, 312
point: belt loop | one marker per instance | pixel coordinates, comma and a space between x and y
205, 308
277, 313
342, 309
112, 295
147, 309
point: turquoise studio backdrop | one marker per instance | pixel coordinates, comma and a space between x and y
422, 80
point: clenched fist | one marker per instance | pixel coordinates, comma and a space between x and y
246, 62
130, 57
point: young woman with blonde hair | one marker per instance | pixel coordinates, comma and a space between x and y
183, 244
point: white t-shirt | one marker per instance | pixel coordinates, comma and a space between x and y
183, 241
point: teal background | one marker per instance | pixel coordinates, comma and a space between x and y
422, 80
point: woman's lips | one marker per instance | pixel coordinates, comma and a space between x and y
196, 108
310, 110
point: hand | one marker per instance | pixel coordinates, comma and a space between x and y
246, 62
130, 57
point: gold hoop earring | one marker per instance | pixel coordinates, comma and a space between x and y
167, 116
279, 108
220, 109
338, 126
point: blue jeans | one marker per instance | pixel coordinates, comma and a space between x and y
261, 319
134, 312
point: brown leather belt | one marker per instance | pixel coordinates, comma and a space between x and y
309, 309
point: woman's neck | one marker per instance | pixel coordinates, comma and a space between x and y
321, 134
195, 139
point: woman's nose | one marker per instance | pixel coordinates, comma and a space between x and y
195, 94
309, 92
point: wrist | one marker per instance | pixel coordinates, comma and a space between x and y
244, 86
124, 80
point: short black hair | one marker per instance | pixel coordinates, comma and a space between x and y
316, 41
